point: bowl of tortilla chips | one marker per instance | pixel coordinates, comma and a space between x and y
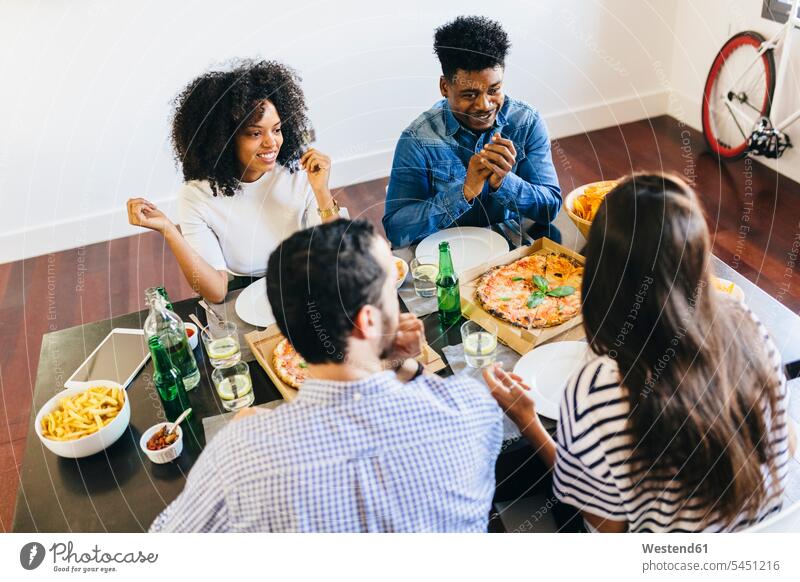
583, 203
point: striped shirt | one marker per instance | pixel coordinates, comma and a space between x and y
375, 455
593, 471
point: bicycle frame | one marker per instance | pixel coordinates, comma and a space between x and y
783, 66
783, 40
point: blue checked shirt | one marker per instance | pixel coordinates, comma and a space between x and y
426, 186
376, 455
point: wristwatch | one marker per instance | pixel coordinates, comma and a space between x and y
397, 364
328, 212
418, 373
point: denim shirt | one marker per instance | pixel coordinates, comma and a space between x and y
426, 186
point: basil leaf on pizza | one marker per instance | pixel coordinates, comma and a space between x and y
562, 291
536, 298
541, 283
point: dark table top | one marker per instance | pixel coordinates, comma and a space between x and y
120, 490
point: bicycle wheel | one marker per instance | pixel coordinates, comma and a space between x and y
738, 92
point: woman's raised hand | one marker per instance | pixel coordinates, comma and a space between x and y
147, 215
318, 167
510, 392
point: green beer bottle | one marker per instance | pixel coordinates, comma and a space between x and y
168, 381
447, 291
163, 293
168, 327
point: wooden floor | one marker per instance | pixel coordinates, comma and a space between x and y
753, 213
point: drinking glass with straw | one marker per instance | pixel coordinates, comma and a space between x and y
222, 344
234, 386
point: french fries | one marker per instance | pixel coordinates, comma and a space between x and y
83, 414
586, 205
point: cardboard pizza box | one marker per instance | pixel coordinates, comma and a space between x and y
520, 340
262, 344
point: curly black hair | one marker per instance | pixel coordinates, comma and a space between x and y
470, 43
210, 111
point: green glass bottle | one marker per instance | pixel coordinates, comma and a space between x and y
168, 327
163, 293
168, 381
447, 291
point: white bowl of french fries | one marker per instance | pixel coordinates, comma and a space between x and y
83, 420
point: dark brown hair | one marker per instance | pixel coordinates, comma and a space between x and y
318, 280
691, 361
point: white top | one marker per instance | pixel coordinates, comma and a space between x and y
237, 233
594, 468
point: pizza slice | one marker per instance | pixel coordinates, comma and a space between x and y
558, 269
574, 279
562, 271
289, 365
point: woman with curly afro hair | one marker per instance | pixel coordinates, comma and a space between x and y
240, 137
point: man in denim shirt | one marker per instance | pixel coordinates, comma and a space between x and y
477, 157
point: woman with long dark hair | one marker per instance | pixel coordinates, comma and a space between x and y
241, 138
680, 421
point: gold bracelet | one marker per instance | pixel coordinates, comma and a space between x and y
328, 212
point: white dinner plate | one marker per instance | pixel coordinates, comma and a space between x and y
252, 305
546, 370
470, 246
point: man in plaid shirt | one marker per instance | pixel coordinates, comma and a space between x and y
371, 443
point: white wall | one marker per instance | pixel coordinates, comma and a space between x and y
87, 86
700, 31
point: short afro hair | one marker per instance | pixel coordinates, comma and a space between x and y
210, 111
318, 280
470, 43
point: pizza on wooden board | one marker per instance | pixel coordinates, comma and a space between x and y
536, 291
288, 364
